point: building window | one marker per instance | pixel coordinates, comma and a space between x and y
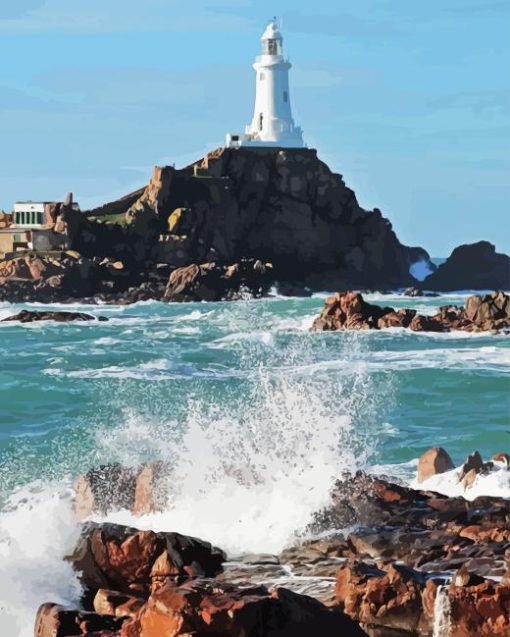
40, 218
285, 96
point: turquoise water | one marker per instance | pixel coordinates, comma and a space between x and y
64, 388
256, 414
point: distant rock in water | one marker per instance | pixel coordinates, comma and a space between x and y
349, 311
30, 316
476, 266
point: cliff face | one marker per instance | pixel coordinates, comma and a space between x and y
284, 206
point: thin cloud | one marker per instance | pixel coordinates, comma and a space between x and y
338, 24
121, 16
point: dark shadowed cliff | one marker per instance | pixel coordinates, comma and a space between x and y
279, 205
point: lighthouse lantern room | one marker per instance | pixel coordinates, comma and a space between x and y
272, 123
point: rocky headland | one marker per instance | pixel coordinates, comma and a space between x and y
279, 206
414, 564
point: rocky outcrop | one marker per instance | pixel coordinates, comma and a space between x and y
211, 282
348, 311
73, 277
130, 561
397, 598
280, 206
435, 460
31, 316
476, 266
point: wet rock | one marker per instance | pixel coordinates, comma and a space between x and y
151, 488
117, 604
435, 460
104, 488
417, 292
207, 607
472, 467
390, 597
348, 310
475, 266
125, 559
53, 620
501, 457
479, 609
213, 282
30, 316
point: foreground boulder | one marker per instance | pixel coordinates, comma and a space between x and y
205, 607
125, 559
476, 266
31, 316
349, 311
397, 598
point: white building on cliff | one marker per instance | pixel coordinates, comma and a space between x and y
272, 123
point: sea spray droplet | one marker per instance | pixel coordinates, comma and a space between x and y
250, 469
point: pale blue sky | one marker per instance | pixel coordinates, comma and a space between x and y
409, 100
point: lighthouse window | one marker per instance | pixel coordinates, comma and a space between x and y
285, 96
262, 76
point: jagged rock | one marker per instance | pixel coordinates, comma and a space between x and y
125, 559
401, 599
280, 206
203, 607
389, 598
53, 620
102, 489
30, 316
435, 460
472, 467
501, 456
117, 604
348, 310
212, 282
151, 488
416, 292
475, 266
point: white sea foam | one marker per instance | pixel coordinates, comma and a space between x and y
37, 530
249, 473
496, 484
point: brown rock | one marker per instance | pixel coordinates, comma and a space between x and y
102, 489
472, 467
348, 310
204, 607
151, 489
435, 460
117, 604
55, 621
121, 558
501, 457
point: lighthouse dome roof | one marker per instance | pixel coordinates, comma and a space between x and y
272, 31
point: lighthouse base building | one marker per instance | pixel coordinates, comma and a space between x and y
272, 124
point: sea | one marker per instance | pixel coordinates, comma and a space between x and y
256, 416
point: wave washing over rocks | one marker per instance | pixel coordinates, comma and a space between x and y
255, 517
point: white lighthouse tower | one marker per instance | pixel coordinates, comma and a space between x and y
272, 123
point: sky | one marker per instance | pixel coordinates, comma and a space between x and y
408, 100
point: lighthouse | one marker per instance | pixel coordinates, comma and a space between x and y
272, 123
